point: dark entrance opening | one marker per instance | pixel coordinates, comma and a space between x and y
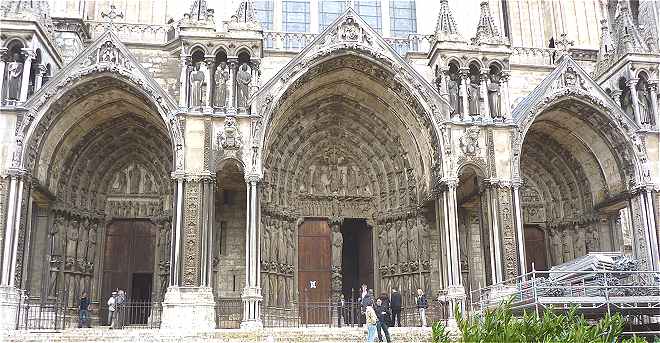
357, 257
140, 309
535, 248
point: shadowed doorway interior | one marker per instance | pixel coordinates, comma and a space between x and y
357, 257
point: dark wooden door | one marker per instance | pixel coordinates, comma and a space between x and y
535, 248
314, 265
366, 258
129, 252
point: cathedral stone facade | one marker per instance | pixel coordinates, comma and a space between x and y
191, 165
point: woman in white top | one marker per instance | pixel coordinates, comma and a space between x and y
371, 320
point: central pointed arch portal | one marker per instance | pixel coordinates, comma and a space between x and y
347, 162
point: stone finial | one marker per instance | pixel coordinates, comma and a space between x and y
245, 17
199, 15
626, 35
487, 32
446, 28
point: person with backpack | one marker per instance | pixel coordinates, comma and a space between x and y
422, 305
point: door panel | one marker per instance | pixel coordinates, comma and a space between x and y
535, 248
314, 265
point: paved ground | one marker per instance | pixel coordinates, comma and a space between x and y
265, 335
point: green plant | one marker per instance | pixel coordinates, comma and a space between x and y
439, 333
500, 325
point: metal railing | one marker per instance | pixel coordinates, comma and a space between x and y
134, 314
228, 313
592, 292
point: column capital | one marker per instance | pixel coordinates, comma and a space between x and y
209, 60
28, 53
335, 221
249, 178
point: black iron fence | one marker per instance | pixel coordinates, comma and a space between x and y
228, 313
134, 314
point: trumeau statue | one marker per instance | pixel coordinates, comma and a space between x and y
196, 85
494, 95
243, 79
221, 77
14, 76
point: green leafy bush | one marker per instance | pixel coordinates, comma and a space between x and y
500, 325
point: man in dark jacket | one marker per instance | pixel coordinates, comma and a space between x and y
395, 305
366, 300
83, 311
383, 313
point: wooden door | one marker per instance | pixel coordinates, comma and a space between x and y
129, 251
314, 266
535, 248
366, 258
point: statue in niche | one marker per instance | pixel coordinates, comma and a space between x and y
474, 96
291, 246
351, 184
453, 90
337, 245
196, 85
644, 105
134, 176
72, 240
14, 78
302, 188
54, 236
333, 178
243, 79
266, 240
91, 247
494, 95
402, 241
83, 240
325, 178
148, 184
383, 245
424, 241
318, 182
413, 241
391, 246
221, 78
627, 103
280, 241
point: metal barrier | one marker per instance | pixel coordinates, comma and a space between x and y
228, 313
134, 314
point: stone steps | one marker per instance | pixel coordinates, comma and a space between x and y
275, 335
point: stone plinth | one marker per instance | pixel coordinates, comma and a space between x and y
189, 309
251, 308
9, 302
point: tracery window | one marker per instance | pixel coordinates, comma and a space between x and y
329, 10
370, 12
264, 11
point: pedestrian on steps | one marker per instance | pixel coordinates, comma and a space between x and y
371, 320
383, 314
395, 305
112, 306
83, 311
422, 305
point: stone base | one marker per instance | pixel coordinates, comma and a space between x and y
252, 298
189, 309
9, 301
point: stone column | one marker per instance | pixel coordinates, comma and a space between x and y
210, 82
465, 78
520, 230
38, 80
653, 88
510, 260
505, 107
232, 64
25, 81
251, 295
483, 93
9, 294
189, 302
494, 235
183, 80
455, 290
645, 236
3, 56
632, 85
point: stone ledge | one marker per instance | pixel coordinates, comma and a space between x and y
188, 308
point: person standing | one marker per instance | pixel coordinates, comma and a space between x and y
365, 300
120, 310
395, 305
371, 320
112, 306
341, 311
83, 311
422, 305
383, 314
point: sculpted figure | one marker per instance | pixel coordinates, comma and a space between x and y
290, 246
383, 245
391, 247
280, 241
473, 95
494, 95
83, 240
318, 182
72, 239
350, 180
14, 78
55, 239
402, 241
644, 105
413, 241
452, 89
337, 245
243, 79
221, 78
196, 85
